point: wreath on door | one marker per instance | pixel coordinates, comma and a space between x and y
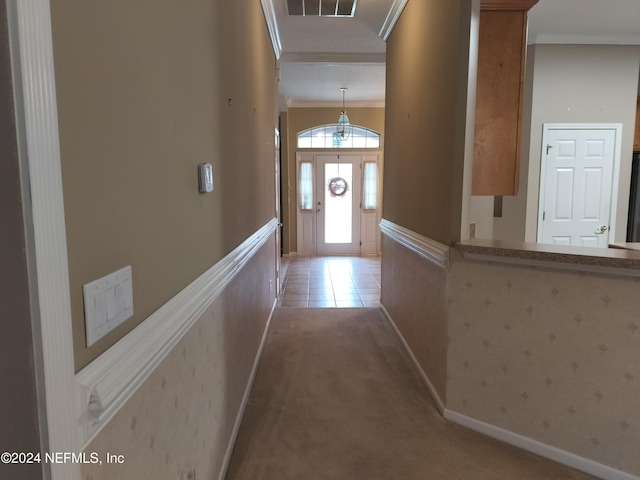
338, 186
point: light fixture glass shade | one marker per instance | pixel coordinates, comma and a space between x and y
343, 130
344, 126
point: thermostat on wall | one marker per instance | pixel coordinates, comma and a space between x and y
205, 177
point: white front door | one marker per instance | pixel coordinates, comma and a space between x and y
576, 185
338, 204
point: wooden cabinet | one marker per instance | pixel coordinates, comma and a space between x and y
501, 66
636, 138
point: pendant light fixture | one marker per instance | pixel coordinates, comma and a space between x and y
344, 128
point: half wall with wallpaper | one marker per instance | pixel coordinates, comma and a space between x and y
541, 356
540, 351
146, 91
184, 417
426, 125
546, 355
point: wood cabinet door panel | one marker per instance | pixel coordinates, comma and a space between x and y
501, 57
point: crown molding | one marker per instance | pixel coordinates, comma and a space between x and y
392, 18
362, 58
291, 103
568, 39
270, 17
507, 4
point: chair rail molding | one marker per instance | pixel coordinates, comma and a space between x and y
103, 386
427, 248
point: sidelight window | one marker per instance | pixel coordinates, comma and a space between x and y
305, 186
370, 187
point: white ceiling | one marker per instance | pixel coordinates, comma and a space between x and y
320, 55
585, 21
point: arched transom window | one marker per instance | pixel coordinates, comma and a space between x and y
326, 136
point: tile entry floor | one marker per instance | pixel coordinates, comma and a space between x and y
331, 282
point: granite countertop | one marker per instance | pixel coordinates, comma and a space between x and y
524, 252
626, 245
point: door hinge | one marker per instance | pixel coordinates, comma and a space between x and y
544, 215
549, 147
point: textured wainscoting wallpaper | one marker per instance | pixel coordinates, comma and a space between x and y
183, 415
553, 355
414, 292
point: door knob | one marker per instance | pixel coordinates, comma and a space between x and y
601, 229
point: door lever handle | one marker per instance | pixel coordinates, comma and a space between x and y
601, 229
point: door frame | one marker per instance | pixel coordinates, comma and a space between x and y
366, 156
615, 179
278, 210
29, 23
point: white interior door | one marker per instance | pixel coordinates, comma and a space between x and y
576, 186
338, 204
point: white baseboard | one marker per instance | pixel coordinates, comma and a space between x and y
561, 456
432, 390
245, 398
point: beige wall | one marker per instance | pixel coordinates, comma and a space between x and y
146, 91
19, 426
425, 127
183, 415
573, 84
299, 119
552, 355
426, 102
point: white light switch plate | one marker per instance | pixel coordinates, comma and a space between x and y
108, 302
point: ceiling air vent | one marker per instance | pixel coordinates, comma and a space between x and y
322, 8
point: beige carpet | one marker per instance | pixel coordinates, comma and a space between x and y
336, 397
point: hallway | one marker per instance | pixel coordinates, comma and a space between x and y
330, 282
337, 397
